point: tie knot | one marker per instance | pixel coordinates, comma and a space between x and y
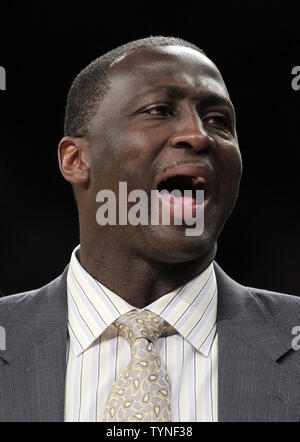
140, 324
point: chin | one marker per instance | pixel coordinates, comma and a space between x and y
170, 244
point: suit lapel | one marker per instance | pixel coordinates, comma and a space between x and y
47, 377
258, 373
32, 376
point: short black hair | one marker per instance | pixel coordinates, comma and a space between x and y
91, 83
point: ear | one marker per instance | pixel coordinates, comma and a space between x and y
74, 159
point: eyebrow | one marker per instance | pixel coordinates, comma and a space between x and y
174, 91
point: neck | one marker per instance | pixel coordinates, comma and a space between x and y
136, 280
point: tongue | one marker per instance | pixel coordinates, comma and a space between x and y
182, 200
179, 205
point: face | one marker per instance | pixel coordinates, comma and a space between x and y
167, 117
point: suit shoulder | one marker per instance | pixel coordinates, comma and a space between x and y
275, 298
284, 308
11, 302
32, 300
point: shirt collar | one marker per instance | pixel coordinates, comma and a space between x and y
191, 309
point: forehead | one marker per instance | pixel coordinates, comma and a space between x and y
177, 65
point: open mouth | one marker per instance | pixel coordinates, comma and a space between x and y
183, 183
193, 183
181, 196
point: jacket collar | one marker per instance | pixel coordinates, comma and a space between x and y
242, 313
34, 316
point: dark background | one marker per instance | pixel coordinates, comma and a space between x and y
43, 47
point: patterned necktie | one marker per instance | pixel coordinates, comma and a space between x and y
142, 391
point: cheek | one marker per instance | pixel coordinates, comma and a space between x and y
237, 165
230, 171
231, 162
128, 149
140, 146
125, 156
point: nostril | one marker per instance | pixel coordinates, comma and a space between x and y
182, 144
195, 141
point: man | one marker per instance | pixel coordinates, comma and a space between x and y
153, 113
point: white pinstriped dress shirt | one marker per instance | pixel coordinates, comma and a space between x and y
97, 355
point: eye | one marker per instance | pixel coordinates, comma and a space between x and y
161, 110
218, 120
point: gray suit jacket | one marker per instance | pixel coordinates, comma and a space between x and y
259, 372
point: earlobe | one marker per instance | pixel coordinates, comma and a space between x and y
74, 159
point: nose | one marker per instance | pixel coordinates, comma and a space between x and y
191, 134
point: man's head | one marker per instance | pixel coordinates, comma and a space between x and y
144, 112
91, 84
